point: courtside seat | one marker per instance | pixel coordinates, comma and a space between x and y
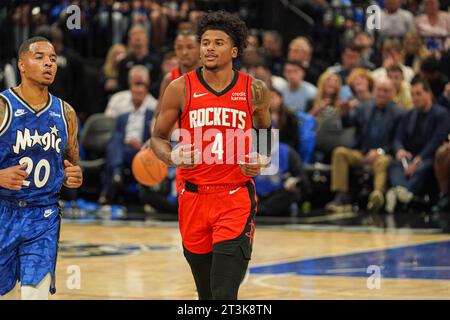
94, 139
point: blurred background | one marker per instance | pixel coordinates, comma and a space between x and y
324, 68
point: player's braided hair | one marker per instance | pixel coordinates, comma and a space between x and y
227, 22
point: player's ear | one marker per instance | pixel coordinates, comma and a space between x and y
234, 52
21, 65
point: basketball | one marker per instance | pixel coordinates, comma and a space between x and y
147, 168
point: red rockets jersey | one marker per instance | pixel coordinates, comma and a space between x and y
175, 73
219, 124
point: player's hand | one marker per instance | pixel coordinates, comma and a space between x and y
73, 177
253, 169
182, 156
12, 178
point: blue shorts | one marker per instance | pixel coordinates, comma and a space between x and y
28, 244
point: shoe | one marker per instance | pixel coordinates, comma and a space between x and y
391, 200
376, 201
442, 205
341, 203
403, 195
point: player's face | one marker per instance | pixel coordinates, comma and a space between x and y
39, 63
187, 50
216, 49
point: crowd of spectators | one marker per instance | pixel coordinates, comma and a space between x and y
378, 99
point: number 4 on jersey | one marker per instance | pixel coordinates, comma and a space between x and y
217, 147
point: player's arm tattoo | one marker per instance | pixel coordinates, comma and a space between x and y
260, 102
3, 107
72, 128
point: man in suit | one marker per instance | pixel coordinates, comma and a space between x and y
375, 125
421, 131
132, 129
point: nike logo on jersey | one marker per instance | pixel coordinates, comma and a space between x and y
198, 95
233, 191
20, 112
48, 213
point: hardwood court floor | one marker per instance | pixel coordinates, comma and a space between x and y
153, 266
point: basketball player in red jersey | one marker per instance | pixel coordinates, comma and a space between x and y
217, 201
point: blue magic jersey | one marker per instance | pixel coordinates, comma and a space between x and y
37, 139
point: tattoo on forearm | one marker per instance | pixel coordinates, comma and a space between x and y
72, 128
258, 92
3, 107
260, 101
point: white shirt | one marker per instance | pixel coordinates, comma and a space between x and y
121, 102
396, 24
136, 124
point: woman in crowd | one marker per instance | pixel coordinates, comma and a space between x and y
111, 67
283, 119
414, 51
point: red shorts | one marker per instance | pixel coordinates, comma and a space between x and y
217, 218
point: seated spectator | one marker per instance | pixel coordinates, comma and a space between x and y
403, 91
138, 53
329, 86
375, 130
124, 101
7, 76
434, 23
283, 119
132, 129
442, 174
301, 50
111, 67
350, 59
414, 51
444, 100
394, 21
250, 57
421, 131
364, 40
326, 108
272, 43
431, 71
298, 92
361, 85
278, 192
392, 54
262, 72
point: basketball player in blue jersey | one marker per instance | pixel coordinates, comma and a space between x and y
38, 154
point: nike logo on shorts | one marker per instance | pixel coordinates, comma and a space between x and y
198, 95
48, 213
